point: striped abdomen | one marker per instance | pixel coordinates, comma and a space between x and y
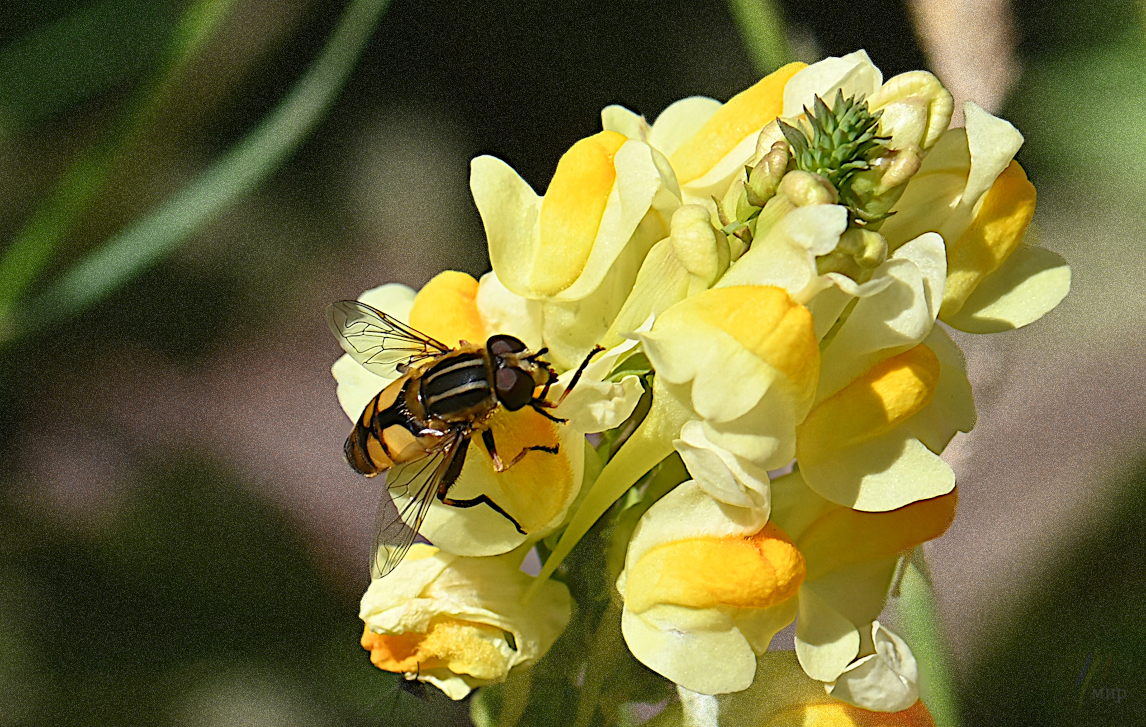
386, 434
458, 387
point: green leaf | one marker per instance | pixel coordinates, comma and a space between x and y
250, 162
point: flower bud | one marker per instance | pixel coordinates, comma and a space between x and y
805, 188
915, 109
700, 248
766, 175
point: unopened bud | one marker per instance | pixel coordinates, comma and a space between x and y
901, 166
915, 109
766, 175
867, 247
806, 188
837, 262
700, 248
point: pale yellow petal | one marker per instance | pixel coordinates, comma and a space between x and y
1001, 220
887, 681
854, 74
826, 642
510, 211
881, 474
681, 121
1026, 287
709, 660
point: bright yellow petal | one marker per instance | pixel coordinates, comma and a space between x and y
768, 323
572, 209
446, 309
998, 228
745, 113
757, 571
838, 714
845, 536
872, 404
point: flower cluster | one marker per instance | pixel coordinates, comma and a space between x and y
768, 278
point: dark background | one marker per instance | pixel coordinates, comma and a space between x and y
180, 541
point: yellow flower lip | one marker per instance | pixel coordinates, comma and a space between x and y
755, 571
839, 714
844, 536
463, 647
745, 113
874, 403
1002, 219
763, 319
446, 309
572, 209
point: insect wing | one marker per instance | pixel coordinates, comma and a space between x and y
381, 343
412, 487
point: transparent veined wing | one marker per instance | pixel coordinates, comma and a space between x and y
412, 487
381, 343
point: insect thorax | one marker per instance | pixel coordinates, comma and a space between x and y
458, 387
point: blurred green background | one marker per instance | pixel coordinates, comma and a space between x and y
180, 541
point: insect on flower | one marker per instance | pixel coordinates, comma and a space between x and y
422, 423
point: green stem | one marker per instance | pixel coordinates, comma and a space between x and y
648, 446
920, 613
762, 28
245, 166
36, 243
606, 651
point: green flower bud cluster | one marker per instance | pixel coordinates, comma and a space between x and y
839, 144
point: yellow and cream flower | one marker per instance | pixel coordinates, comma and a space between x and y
706, 586
972, 192
577, 249
708, 142
453, 307
736, 371
459, 623
851, 558
782, 695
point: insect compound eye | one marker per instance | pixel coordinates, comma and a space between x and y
514, 388
502, 345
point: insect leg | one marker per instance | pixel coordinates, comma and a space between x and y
483, 499
540, 402
498, 465
450, 476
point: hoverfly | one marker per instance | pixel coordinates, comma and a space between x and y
426, 417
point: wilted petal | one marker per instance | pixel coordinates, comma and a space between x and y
886, 681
